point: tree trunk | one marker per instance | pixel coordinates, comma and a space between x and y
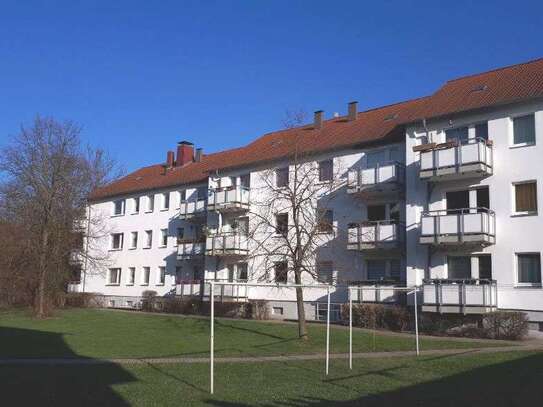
42, 272
302, 328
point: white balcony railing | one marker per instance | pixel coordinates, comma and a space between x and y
381, 178
190, 209
197, 288
232, 198
458, 226
190, 249
456, 159
376, 235
464, 296
376, 292
227, 244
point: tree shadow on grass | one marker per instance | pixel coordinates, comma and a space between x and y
55, 385
516, 382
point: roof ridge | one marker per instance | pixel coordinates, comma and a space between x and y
495, 70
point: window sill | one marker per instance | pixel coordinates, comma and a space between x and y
129, 284
523, 214
144, 284
164, 209
116, 250
149, 211
113, 285
117, 215
513, 146
135, 213
159, 284
162, 246
132, 248
146, 248
528, 285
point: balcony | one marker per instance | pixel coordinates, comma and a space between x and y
227, 244
455, 160
474, 296
376, 235
202, 289
192, 209
468, 226
228, 199
190, 249
380, 292
381, 182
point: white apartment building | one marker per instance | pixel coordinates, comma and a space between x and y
439, 192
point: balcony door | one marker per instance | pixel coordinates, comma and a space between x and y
460, 134
457, 200
459, 267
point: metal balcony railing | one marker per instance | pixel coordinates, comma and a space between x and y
230, 198
456, 158
191, 209
227, 244
387, 176
376, 234
459, 226
190, 249
460, 295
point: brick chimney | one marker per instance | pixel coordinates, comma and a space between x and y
185, 153
317, 122
353, 111
170, 159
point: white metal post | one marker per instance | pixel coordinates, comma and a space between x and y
212, 337
416, 321
328, 332
350, 329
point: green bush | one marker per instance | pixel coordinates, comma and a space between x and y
379, 316
148, 301
81, 300
505, 325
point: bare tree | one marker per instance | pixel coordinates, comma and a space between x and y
291, 219
47, 178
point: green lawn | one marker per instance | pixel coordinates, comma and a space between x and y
493, 380
111, 334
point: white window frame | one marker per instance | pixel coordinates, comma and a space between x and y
131, 276
518, 283
117, 280
132, 245
150, 204
145, 269
161, 273
163, 235
514, 199
512, 143
148, 239
121, 242
123, 207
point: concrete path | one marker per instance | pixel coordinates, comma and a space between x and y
284, 358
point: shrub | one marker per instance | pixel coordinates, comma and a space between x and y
258, 309
81, 300
380, 316
148, 301
505, 325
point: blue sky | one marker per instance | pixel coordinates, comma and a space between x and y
140, 76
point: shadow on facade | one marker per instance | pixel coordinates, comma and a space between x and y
54, 385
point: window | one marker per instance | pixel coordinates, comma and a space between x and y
281, 224
245, 180
136, 203
524, 130
460, 134
150, 203
485, 266
459, 267
481, 131
376, 212
325, 272
178, 275
281, 272
242, 272
376, 269
375, 158
325, 221
165, 201
526, 198
145, 276
183, 195
277, 310
133, 240
161, 275
114, 277
456, 201
395, 269
164, 237
237, 272
180, 235
131, 276
118, 207
281, 177
529, 268
241, 226
326, 169
117, 241
148, 239
201, 194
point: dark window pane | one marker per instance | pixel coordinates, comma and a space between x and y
281, 224
326, 170
281, 272
457, 200
325, 221
376, 212
481, 131
459, 267
281, 177
485, 267
376, 269
529, 268
460, 133
526, 197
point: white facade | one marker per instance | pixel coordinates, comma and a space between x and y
408, 193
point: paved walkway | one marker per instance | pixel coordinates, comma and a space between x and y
284, 358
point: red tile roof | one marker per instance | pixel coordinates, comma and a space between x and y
384, 124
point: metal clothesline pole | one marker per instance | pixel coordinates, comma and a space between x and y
212, 337
416, 321
328, 332
350, 329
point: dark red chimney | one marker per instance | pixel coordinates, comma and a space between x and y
170, 159
185, 153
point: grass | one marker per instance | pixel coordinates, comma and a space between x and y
109, 334
494, 380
